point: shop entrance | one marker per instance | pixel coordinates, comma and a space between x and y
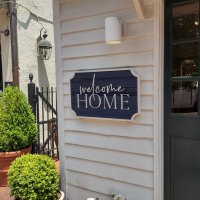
182, 100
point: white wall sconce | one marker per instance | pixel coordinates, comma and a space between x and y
113, 30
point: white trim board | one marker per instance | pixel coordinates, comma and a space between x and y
56, 15
159, 99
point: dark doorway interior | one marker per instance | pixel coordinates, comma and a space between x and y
1, 73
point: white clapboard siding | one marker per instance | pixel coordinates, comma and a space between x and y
146, 2
88, 24
108, 186
77, 192
114, 172
136, 161
86, 37
145, 116
137, 45
96, 22
131, 145
125, 129
109, 61
139, 28
81, 8
143, 1
108, 156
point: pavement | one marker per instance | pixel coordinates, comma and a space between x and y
4, 194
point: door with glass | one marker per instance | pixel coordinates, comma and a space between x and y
182, 104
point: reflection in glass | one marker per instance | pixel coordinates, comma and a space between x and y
184, 96
185, 59
185, 22
185, 35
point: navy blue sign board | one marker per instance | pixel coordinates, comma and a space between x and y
105, 94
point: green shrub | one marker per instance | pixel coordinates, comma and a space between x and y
33, 177
17, 122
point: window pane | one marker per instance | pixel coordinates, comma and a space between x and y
185, 23
185, 59
184, 97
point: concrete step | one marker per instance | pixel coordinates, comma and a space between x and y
5, 193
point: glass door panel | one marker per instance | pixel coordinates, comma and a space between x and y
185, 97
185, 58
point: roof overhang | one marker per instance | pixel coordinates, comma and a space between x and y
139, 8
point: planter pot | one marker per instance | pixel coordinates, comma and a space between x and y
62, 195
6, 158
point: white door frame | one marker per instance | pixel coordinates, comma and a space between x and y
159, 100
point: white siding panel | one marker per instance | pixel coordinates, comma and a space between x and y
132, 28
107, 186
130, 160
88, 23
148, 10
77, 9
146, 2
137, 45
146, 102
93, 36
140, 146
110, 61
77, 193
140, 28
146, 87
117, 173
105, 156
145, 117
117, 128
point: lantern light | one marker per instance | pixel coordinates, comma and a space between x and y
44, 47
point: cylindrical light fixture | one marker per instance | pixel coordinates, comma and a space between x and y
113, 30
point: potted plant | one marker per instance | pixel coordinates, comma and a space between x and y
34, 177
18, 128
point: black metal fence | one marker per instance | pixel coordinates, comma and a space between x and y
44, 105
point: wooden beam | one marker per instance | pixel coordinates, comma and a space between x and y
138, 7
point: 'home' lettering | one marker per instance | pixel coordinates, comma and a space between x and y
96, 101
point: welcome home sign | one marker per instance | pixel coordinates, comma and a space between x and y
105, 94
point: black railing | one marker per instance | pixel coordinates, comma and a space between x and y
44, 105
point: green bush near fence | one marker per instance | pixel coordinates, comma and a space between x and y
17, 122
